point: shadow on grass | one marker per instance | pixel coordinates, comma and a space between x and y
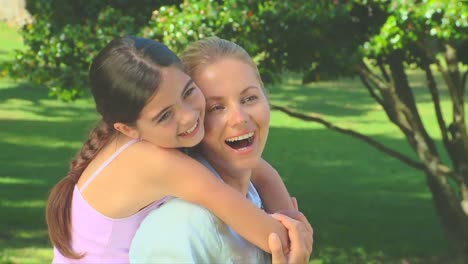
22, 90
38, 138
23, 97
355, 196
30, 166
342, 97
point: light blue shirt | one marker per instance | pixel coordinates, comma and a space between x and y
182, 232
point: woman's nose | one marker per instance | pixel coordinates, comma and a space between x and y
238, 116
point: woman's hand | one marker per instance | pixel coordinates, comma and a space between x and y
300, 235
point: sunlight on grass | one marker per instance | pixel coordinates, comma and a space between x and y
24, 109
39, 141
11, 180
23, 204
31, 234
30, 255
10, 40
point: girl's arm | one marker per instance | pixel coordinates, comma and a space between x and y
181, 176
270, 186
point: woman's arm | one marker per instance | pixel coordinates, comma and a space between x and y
270, 186
184, 177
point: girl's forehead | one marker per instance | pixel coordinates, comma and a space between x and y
171, 87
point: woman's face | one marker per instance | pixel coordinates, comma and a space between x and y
173, 118
237, 114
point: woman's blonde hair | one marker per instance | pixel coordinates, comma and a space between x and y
209, 50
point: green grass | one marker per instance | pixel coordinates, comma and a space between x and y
360, 201
10, 40
364, 206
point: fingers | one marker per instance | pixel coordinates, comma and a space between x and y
299, 229
274, 243
297, 216
294, 214
294, 202
300, 235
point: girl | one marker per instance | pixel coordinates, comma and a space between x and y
131, 163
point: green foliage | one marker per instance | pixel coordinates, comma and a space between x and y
355, 255
177, 26
310, 37
323, 39
414, 24
64, 37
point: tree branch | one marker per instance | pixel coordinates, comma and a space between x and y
371, 90
318, 119
465, 75
383, 70
389, 98
362, 69
379, 146
435, 98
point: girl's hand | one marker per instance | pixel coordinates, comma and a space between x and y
300, 235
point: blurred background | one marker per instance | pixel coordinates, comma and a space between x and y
368, 123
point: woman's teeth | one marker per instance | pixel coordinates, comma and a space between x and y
242, 137
241, 142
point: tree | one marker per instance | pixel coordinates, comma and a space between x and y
375, 40
65, 35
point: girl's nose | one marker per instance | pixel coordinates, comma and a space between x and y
188, 114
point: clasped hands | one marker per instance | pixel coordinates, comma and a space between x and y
300, 234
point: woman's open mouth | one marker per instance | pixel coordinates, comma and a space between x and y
241, 142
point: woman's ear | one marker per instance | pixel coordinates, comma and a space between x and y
127, 130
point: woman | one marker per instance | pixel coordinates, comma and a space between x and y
236, 129
131, 163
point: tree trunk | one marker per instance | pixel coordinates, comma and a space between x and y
451, 214
450, 198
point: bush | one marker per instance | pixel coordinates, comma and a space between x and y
65, 35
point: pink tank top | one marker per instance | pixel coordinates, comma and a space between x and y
102, 239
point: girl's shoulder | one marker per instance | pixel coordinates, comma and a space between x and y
148, 151
149, 157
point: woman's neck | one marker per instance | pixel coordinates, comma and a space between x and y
237, 180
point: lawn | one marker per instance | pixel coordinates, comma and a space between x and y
364, 206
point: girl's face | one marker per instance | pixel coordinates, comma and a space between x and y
173, 118
237, 115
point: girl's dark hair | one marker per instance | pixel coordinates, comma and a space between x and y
124, 76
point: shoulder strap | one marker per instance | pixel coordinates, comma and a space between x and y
107, 162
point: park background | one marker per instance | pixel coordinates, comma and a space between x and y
365, 206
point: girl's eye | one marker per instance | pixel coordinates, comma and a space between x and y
215, 108
250, 99
165, 116
189, 92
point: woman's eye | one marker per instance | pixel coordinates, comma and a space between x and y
250, 99
189, 92
165, 116
215, 108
